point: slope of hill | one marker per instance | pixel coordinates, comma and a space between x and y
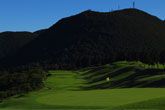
124, 75
11, 42
94, 38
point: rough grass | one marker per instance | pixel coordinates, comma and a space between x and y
124, 75
152, 104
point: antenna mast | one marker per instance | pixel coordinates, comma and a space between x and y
118, 7
133, 4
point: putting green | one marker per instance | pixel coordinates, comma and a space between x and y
101, 98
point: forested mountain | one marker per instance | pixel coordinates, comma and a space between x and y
11, 42
95, 38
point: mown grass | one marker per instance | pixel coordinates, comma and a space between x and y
101, 98
65, 90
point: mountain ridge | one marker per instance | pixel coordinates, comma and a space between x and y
95, 38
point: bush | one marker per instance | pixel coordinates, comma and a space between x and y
12, 83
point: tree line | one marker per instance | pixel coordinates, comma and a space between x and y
22, 81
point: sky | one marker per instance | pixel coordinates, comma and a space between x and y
32, 15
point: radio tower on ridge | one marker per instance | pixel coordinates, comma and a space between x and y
133, 4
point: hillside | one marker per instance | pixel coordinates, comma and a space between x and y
95, 38
11, 42
123, 75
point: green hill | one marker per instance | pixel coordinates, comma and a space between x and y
124, 75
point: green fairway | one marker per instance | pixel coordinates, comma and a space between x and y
63, 90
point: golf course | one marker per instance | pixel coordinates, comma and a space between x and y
82, 55
68, 90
